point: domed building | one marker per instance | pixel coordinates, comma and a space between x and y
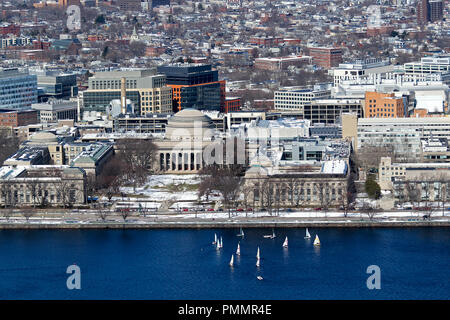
190, 124
188, 133
43, 137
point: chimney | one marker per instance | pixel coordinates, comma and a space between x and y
123, 96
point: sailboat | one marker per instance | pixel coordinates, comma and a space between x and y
232, 260
257, 258
241, 233
259, 277
308, 236
316, 241
215, 238
285, 243
270, 236
238, 251
219, 244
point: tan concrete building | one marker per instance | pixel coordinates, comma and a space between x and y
389, 172
42, 186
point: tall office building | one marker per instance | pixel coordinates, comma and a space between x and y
422, 11
436, 10
55, 84
195, 86
130, 5
144, 88
429, 11
18, 90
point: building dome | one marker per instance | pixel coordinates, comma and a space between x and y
190, 124
43, 137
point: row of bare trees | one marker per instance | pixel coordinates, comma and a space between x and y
423, 192
226, 180
132, 164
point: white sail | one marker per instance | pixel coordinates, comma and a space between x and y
217, 245
238, 251
317, 241
221, 242
285, 243
273, 234
232, 260
257, 262
307, 234
215, 238
257, 254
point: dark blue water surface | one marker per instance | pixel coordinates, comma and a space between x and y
183, 264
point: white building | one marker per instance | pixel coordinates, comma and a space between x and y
359, 69
295, 98
428, 65
404, 134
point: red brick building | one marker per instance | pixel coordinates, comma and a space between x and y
232, 104
10, 29
326, 57
266, 41
13, 119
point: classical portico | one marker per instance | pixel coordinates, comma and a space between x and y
187, 135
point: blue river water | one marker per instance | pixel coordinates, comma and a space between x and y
183, 264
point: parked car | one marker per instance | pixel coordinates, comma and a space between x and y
318, 209
210, 209
240, 209
185, 209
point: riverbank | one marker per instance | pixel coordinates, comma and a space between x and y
280, 223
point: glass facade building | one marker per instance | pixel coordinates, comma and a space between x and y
18, 90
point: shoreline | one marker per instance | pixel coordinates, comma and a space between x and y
226, 224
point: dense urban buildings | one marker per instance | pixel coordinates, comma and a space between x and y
326, 57
18, 90
146, 89
194, 86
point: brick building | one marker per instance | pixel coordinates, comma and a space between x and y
13, 118
383, 105
326, 57
232, 104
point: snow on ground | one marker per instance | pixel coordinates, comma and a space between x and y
301, 214
157, 188
180, 189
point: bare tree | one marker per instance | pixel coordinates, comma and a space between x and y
444, 191
27, 213
102, 213
7, 213
369, 210
138, 156
322, 189
413, 192
111, 178
9, 143
32, 186
266, 188
247, 190
125, 213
